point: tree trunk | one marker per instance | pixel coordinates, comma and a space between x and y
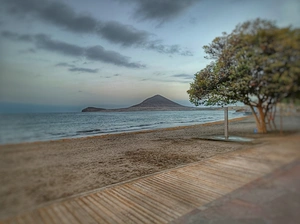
259, 119
262, 122
255, 116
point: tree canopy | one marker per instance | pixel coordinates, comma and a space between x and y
257, 64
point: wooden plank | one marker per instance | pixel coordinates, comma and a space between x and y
109, 215
181, 194
145, 215
48, 216
166, 196
65, 214
154, 199
210, 185
151, 210
193, 183
131, 212
168, 200
191, 187
213, 178
87, 207
118, 208
81, 215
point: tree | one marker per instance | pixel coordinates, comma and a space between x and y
257, 64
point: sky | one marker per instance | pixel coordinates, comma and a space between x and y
66, 55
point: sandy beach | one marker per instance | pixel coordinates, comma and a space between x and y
33, 174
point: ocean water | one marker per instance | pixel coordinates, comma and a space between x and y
16, 128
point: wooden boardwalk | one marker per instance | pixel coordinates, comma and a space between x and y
168, 195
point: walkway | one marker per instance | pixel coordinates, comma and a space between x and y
209, 191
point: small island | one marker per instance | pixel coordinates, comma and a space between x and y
154, 103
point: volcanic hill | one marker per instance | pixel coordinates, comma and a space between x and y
155, 103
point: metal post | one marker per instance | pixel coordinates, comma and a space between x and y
226, 121
281, 119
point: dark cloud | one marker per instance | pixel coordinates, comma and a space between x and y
123, 34
15, 36
127, 35
95, 53
54, 12
161, 10
45, 42
73, 68
184, 76
172, 49
86, 70
98, 53
61, 15
63, 64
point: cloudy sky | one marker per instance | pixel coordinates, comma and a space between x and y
63, 55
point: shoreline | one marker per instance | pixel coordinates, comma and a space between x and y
33, 174
104, 135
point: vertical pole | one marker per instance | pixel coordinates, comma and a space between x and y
226, 121
281, 119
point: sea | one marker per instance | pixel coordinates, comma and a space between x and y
31, 127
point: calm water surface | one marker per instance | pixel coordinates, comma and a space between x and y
16, 128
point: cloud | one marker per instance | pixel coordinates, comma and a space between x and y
87, 70
54, 12
172, 49
161, 10
126, 35
73, 68
15, 36
63, 64
123, 34
45, 42
62, 15
95, 53
98, 53
184, 76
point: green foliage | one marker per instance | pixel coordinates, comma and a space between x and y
257, 64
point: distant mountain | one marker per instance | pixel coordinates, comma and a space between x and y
155, 103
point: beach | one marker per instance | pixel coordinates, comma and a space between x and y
33, 174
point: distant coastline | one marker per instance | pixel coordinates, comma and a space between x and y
131, 109
155, 103
160, 103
